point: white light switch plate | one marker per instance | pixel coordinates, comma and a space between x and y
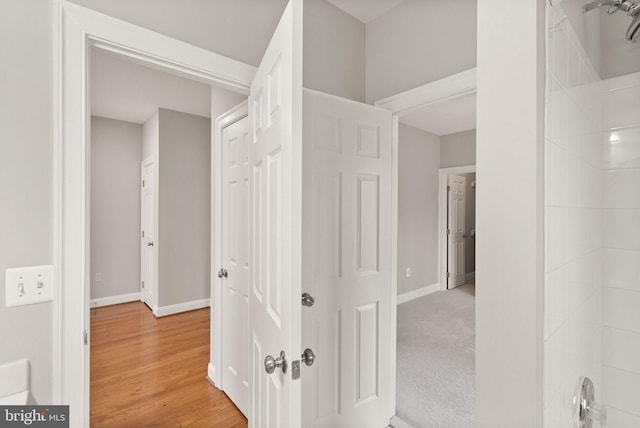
28, 285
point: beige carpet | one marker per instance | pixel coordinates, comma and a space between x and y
436, 359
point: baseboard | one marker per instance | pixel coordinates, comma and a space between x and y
414, 294
469, 276
211, 375
396, 422
114, 300
163, 311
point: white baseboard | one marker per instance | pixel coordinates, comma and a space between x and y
163, 311
396, 422
469, 276
114, 300
211, 375
414, 294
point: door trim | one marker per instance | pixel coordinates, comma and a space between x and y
221, 122
76, 30
442, 218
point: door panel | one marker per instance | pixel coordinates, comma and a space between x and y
235, 242
275, 104
347, 263
456, 225
148, 235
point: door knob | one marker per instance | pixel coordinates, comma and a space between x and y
307, 299
222, 273
308, 357
271, 363
150, 244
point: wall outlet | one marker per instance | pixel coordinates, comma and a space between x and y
28, 285
408, 272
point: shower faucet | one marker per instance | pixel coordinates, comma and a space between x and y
628, 6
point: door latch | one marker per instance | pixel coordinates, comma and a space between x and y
307, 299
222, 273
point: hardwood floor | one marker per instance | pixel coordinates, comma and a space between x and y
148, 372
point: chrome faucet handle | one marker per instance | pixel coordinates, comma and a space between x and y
587, 409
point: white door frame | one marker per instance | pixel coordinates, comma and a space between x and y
77, 30
442, 218
220, 123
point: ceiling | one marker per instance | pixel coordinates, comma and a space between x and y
123, 90
445, 118
365, 10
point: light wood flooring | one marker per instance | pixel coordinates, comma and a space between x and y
148, 372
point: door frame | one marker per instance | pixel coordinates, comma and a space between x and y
76, 30
443, 175
219, 124
154, 294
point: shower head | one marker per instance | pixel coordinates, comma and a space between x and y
632, 9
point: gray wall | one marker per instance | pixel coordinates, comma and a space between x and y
458, 149
419, 159
26, 173
469, 222
419, 42
185, 208
334, 49
116, 148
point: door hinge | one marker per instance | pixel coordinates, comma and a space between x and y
86, 338
448, 275
143, 233
448, 232
448, 188
142, 284
142, 183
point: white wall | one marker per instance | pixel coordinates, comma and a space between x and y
573, 217
458, 149
509, 261
419, 42
116, 148
334, 49
621, 254
417, 208
184, 208
151, 137
26, 172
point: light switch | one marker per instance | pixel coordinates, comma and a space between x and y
28, 285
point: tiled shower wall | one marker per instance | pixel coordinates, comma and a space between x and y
573, 221
621, 256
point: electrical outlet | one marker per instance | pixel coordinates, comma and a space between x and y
28, 285
408, 272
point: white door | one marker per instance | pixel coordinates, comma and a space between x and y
347, 264
235, 262
147, 238
455, 230
275, 113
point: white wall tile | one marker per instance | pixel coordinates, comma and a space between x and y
622, 309
621, 148
621, 269
619, 419
622, 229
621, 349
622, 189
622, 108
621, 390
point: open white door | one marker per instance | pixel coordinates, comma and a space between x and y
455, 231
275, 113
235, 261
347, 264
147, 238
